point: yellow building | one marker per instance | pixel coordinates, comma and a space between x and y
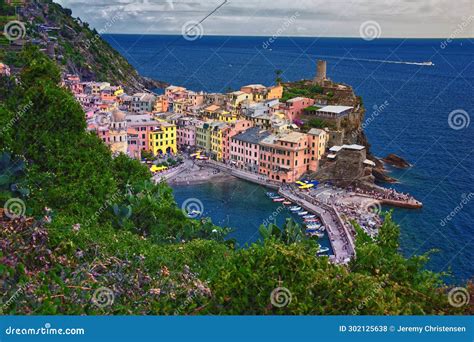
203, 136
163, 139
118, 90
275, 92
225, 116
217, 140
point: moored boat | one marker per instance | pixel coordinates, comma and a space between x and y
323, 250
318, 234
287, 203
309, 216
278, 199
302, 213
296, 208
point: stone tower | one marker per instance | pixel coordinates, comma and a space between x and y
320, 72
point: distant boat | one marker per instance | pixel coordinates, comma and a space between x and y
302, 213
278, 199
309, 216
295, 208
287, 203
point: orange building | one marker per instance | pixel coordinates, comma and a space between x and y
286, 157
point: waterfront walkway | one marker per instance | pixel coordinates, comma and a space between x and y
340, 236
245, 175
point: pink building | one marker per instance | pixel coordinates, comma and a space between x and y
133, 146
144, 125
231, 130
294, 108
186, 132
245, 148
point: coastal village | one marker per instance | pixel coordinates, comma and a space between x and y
255, 134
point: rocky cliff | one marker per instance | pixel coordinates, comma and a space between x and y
77, 48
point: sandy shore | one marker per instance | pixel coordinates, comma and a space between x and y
198, 175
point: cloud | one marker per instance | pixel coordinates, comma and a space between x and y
397, 18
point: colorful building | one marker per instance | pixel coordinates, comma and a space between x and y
142, 103
133, 147
245, 149
217, 130
318, 139
233, 129
285, 157
118, 132
144, 124
163, 139
203, 136
293, 108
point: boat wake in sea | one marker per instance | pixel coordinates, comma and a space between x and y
427, 63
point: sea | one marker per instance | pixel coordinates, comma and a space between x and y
415, 109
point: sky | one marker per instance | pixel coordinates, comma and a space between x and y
316, 18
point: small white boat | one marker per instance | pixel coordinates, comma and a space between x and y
311, 220
319, 235
323, 250
313, 227
295, 208
309, 216
278, 199
302, 213
287, 203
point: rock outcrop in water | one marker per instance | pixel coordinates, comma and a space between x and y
396, 161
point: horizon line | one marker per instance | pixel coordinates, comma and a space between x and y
281, 36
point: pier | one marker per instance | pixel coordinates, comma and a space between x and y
340, 236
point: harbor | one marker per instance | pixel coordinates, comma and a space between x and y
325, 210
